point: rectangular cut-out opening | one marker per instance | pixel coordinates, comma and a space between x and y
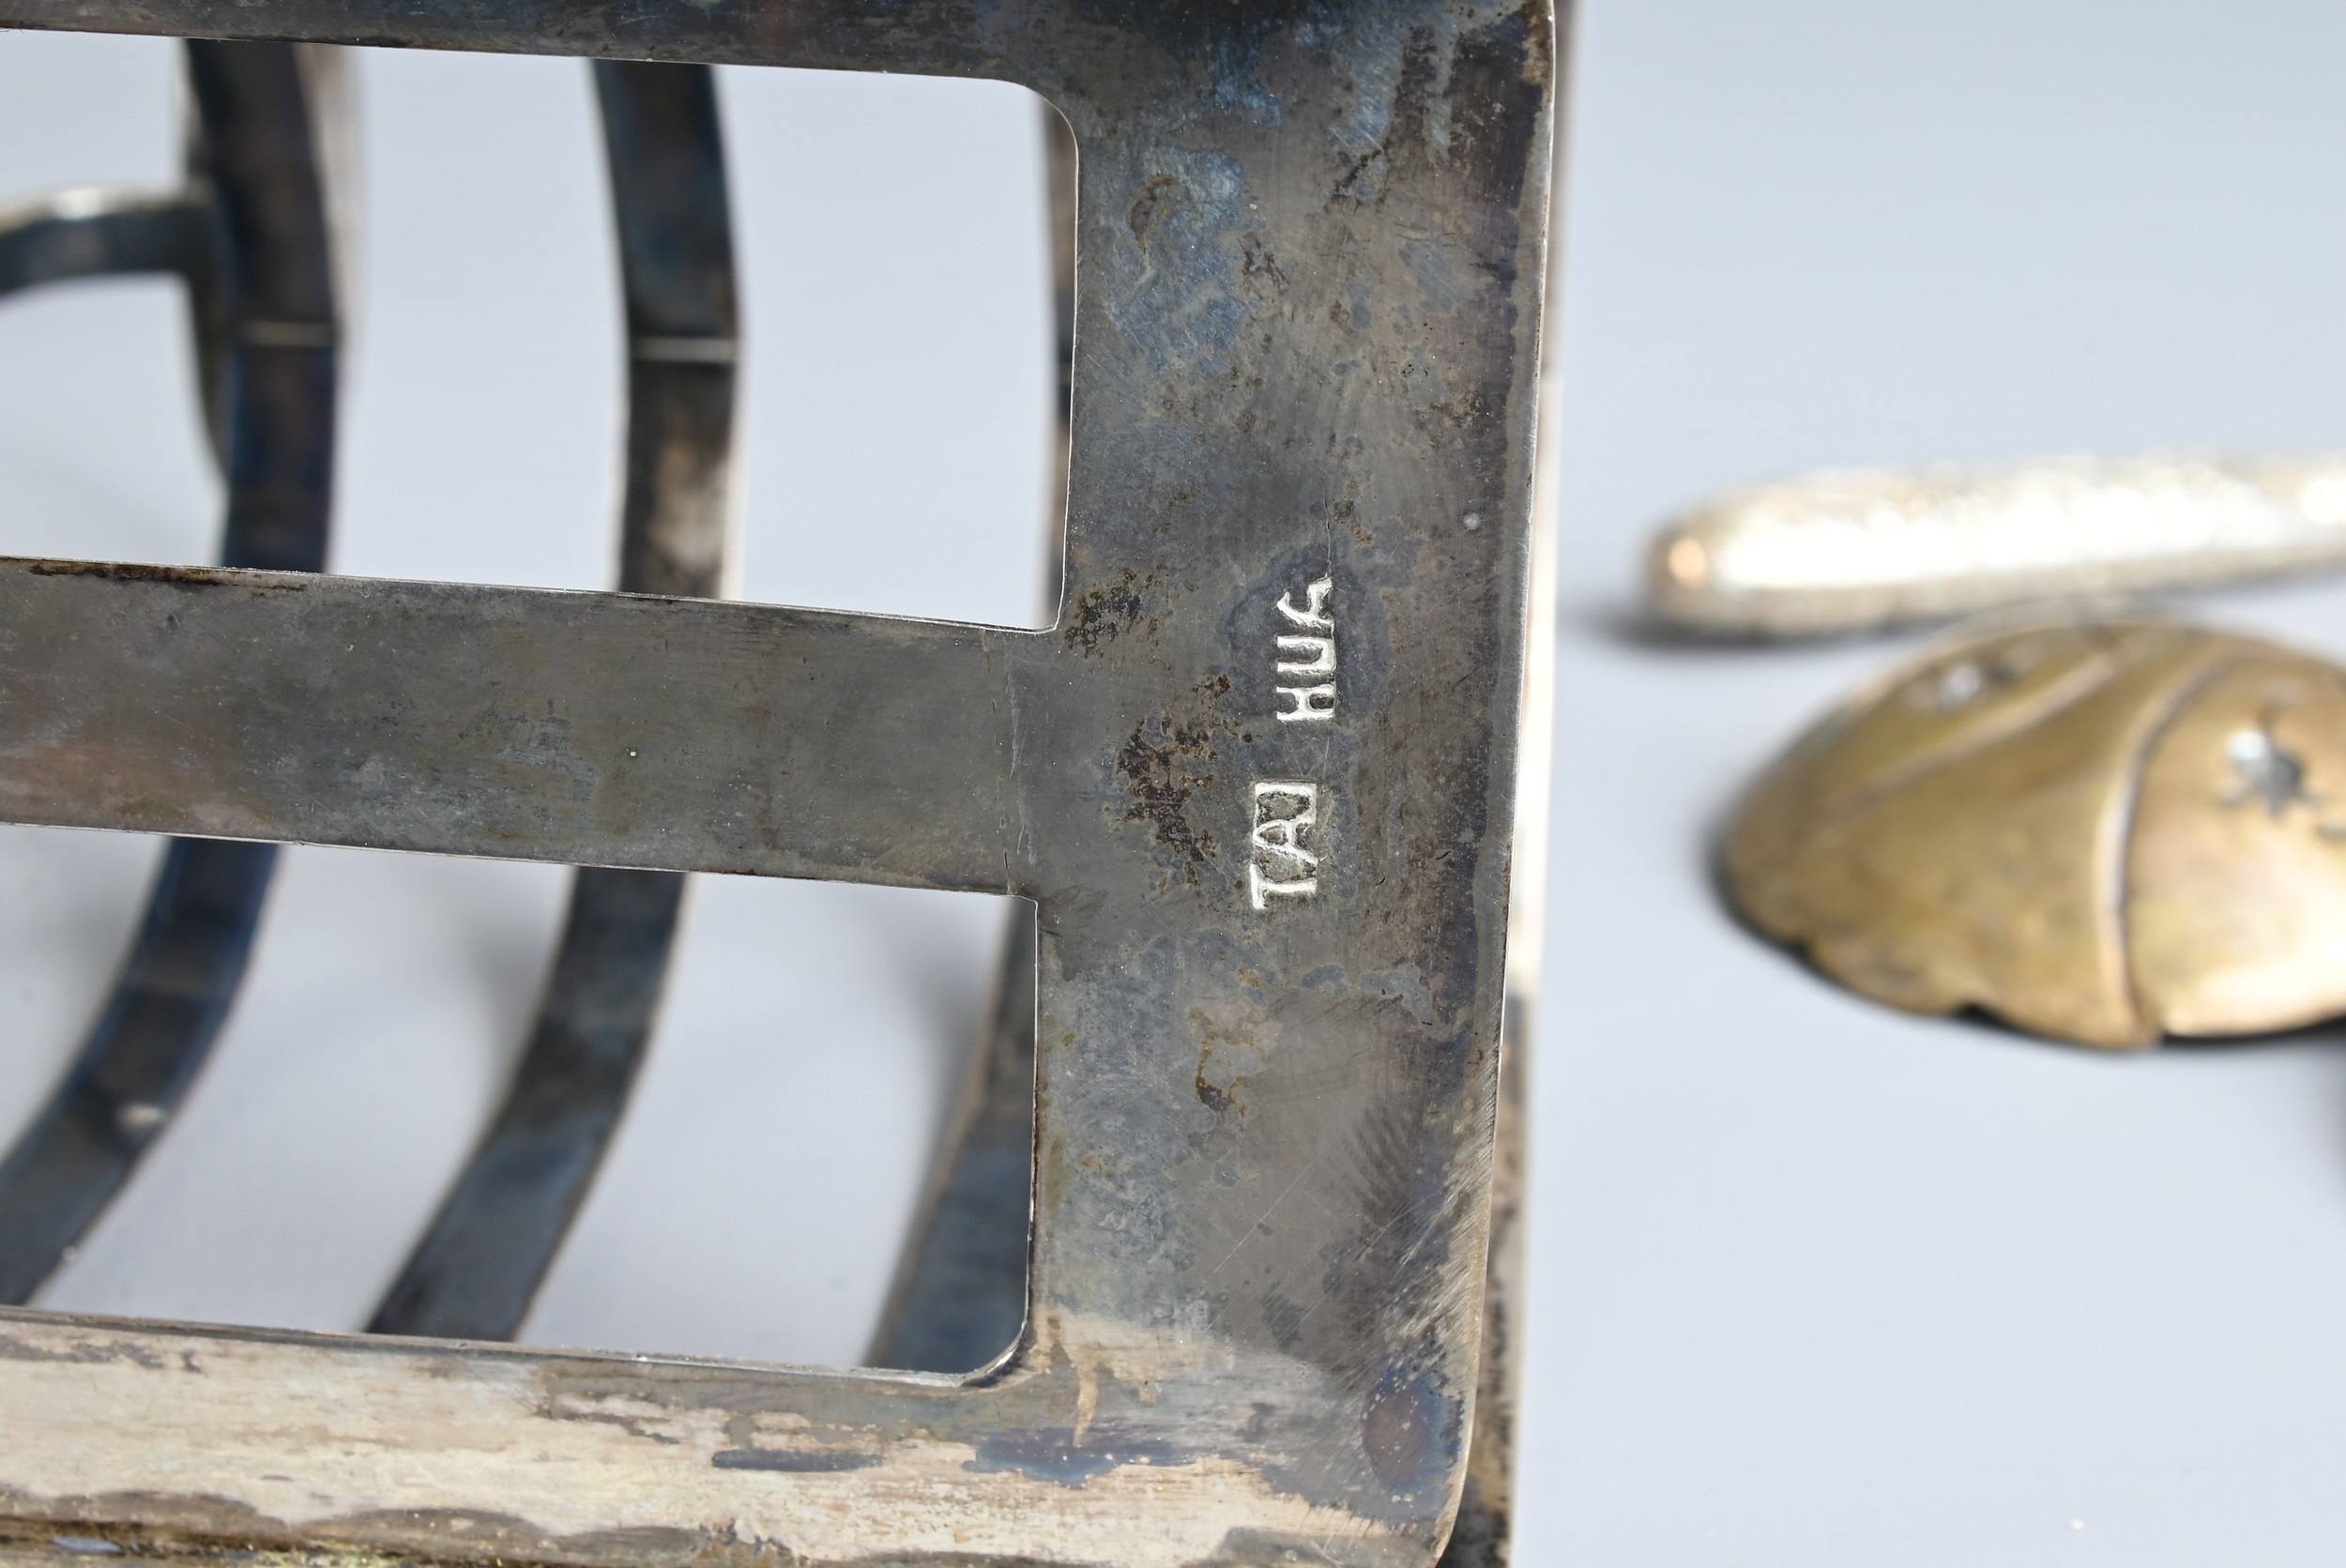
774, 1165
897, 452
900, 401
898, 415
896, 447
101, 443
754, 1203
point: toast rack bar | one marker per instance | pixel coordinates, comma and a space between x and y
252, 237
479, 1267
100, 233
517, 724
1258, 781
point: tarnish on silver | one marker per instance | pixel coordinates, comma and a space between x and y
254, 235
477, 1269
1308, 324
1847, 550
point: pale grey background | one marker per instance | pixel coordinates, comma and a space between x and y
1814, 1284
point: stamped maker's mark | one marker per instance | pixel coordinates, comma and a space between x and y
1283, 845
1281, 863
1307, 664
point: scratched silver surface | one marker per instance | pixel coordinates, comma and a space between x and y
1271, 929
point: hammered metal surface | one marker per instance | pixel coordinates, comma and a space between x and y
2104, 831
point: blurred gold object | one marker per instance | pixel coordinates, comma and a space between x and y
1850, 550
2100, 831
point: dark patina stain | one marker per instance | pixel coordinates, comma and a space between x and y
1210, 1095
1283, 1318
1259, 272
1142, 215
793, 1464
173, 576
1160, 763
1224, 1060
1053, 1453
86, 1353
1348, 184
1408, 1430
1103, 615
474, 1535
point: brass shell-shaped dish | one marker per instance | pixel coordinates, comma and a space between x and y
2100, 831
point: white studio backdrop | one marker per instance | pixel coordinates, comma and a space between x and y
1813, 1283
